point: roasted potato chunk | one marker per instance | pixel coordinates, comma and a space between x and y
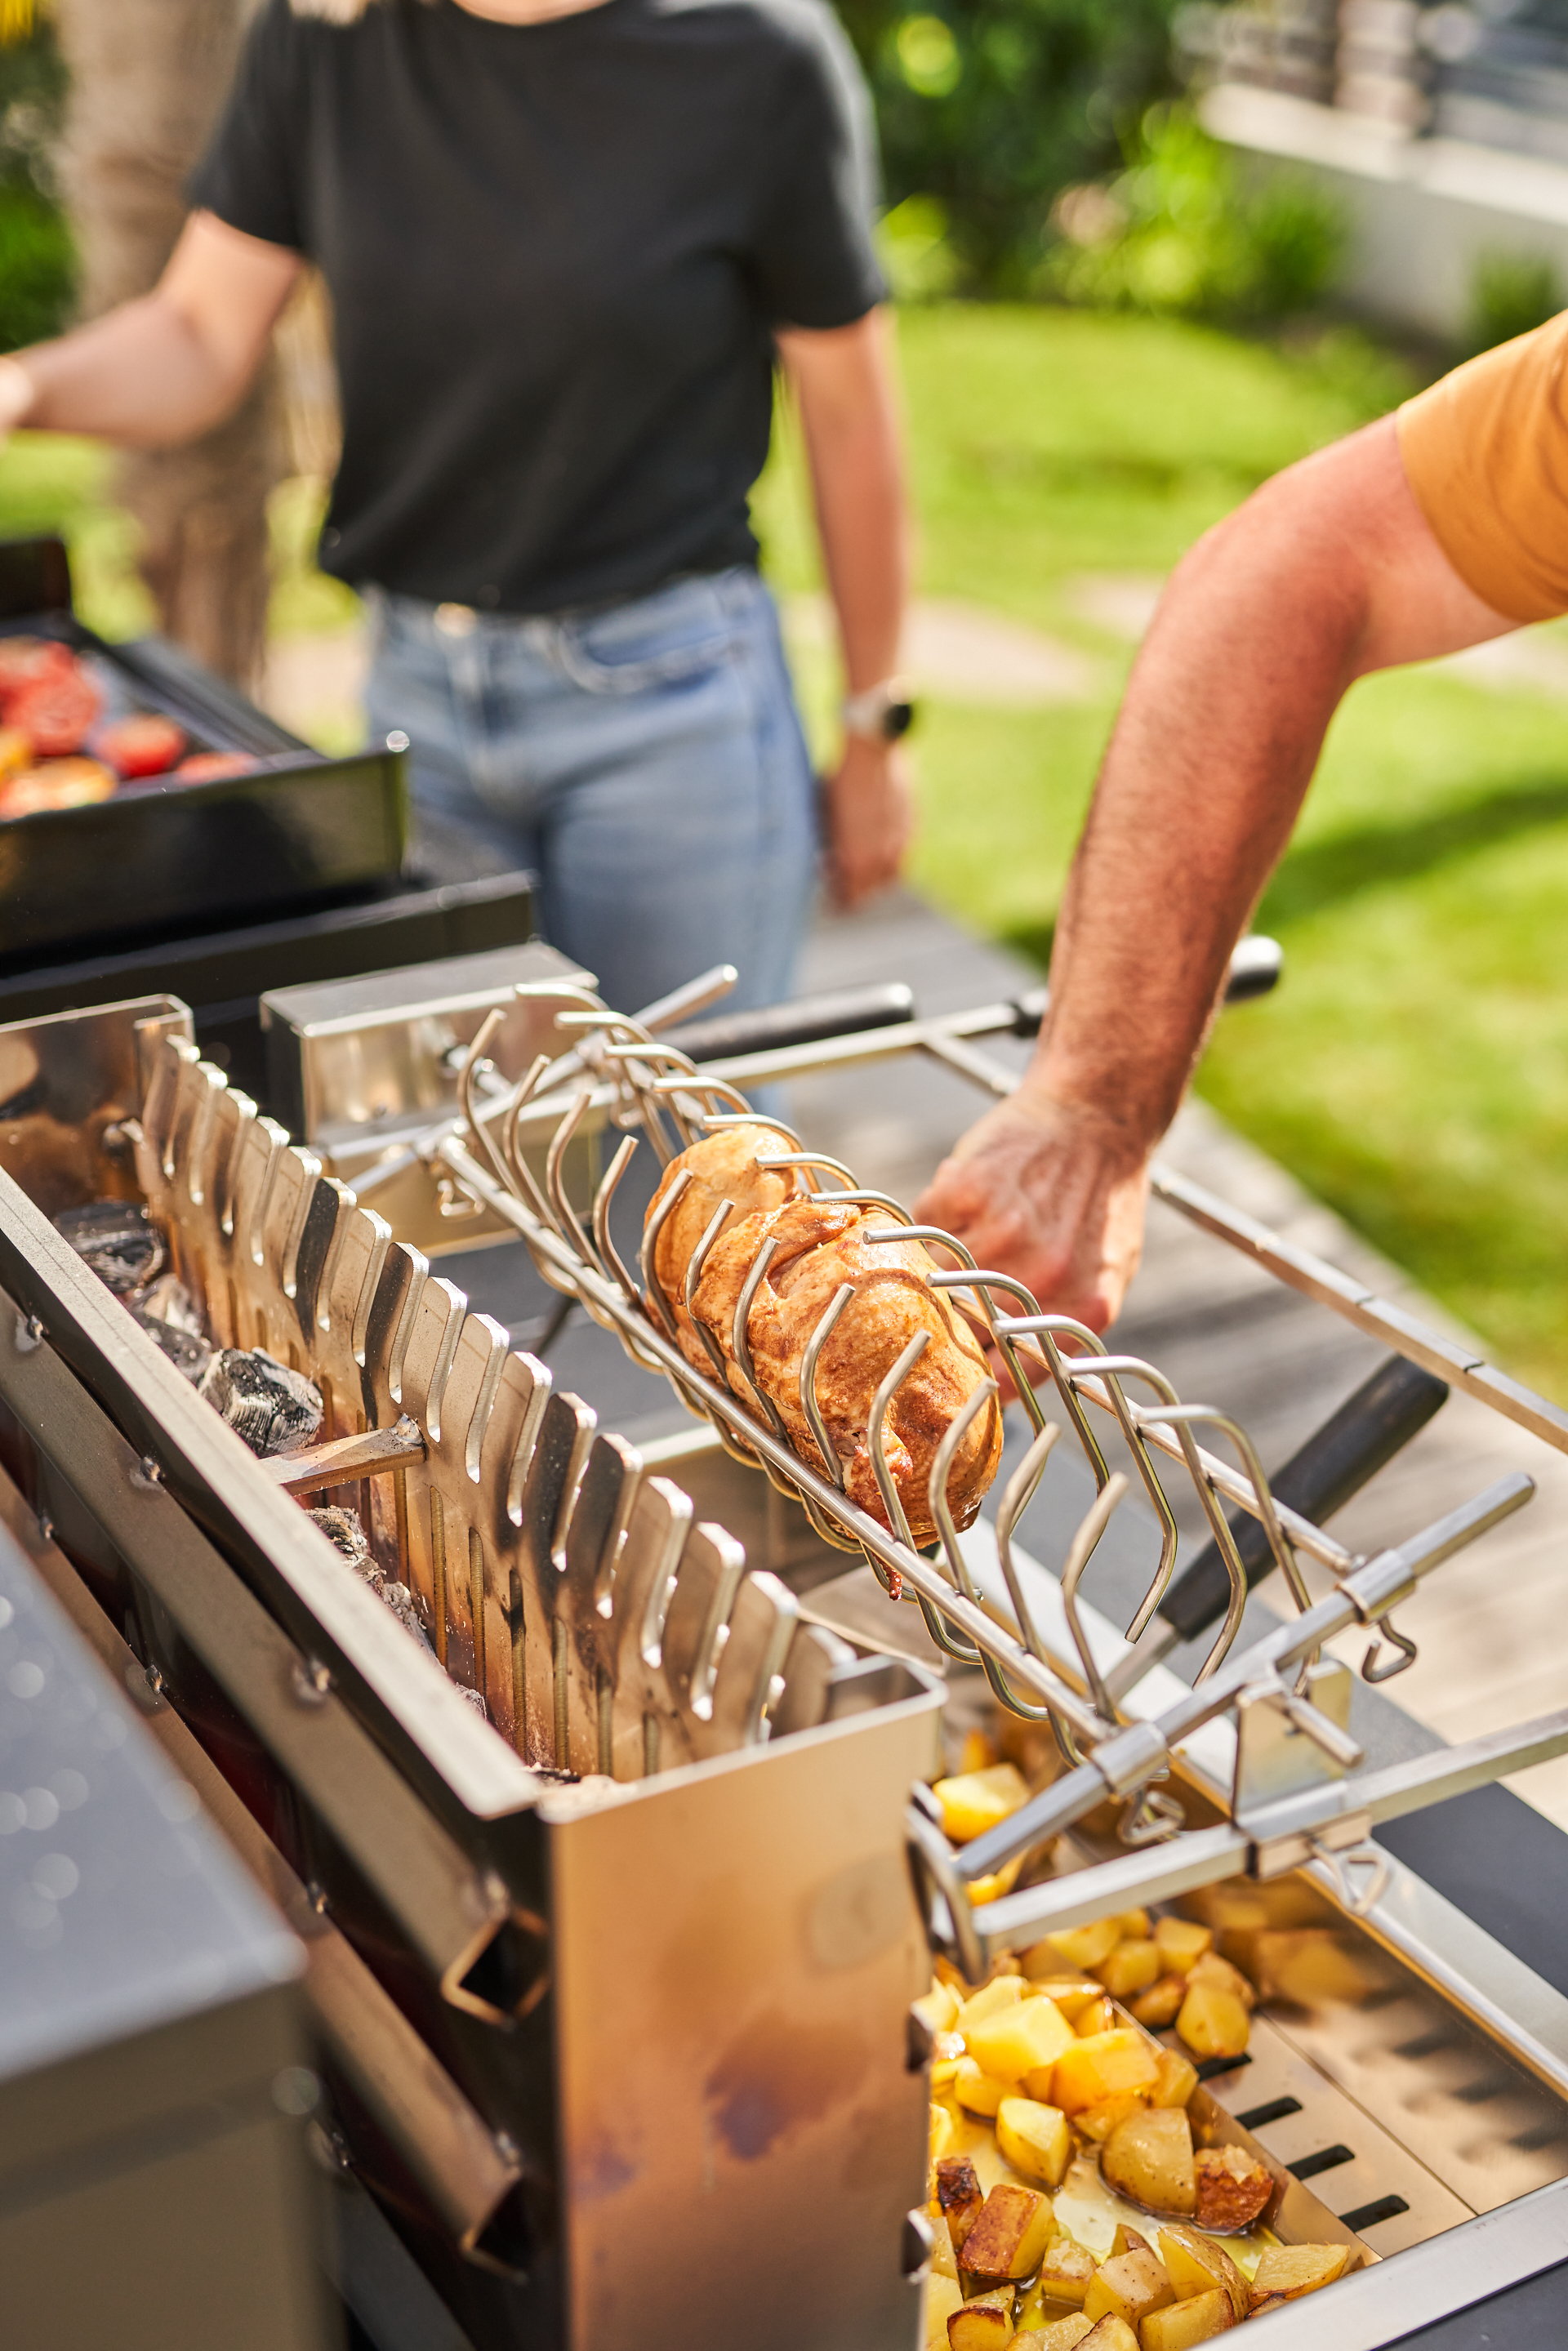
943, 2130
1009, 2238
1098, 2122
958, 2197
1128, 2286
1160, 2005
1111, 2334
1213, 2023
980, 2093
1035, 2139
1106, 2065
1066, 2271
1100, 2016
1194, 2265
1072, 1992
1211, 1968
1149, 2158
1021, 2043
974, 1801
1085, 1947
1108, 2335
1231, 2188
937, 2009
1182, 1942
1292, 2270
1183, 2323
1002, 1991
942, 2297
1176, 2081
1058, 2335
985, 2323
1132, 1967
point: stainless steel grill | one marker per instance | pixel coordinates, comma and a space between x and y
676, 1985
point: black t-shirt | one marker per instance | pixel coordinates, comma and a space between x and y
556, 253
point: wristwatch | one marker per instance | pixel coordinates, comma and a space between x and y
882, 713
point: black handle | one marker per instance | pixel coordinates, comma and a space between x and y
1353, 1445
841, 1012
1255, 968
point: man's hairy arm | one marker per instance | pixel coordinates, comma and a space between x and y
1328, 573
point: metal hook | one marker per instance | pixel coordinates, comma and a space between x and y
809, 1403
1085, 1542
1370, 1671
650, 1231
716, 1224
609, 1186
892, 1501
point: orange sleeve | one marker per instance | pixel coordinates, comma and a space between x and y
1486, 453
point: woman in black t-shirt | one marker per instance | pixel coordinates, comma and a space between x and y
566, 243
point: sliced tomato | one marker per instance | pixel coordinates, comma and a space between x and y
55, 784
212, 767
24, 660
56, 711
145, 745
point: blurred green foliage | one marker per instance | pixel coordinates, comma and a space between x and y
37, 255
1188, 232
989, 108
1510, 293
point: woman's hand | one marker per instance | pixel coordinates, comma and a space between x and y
868, 818
1053, 1195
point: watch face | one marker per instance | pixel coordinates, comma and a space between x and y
897, 720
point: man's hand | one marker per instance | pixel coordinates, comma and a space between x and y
1052, 1193
868, 818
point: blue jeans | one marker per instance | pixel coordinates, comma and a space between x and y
644, 759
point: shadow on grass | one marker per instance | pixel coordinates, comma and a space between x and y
1320, 873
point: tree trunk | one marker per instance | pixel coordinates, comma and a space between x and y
147, 79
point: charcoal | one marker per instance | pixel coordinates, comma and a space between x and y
186, 1350
167, 1300
116, 1240
344, 1532
475, 1699
405, 1608
275, 1410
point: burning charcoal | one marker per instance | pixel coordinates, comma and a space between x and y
275, 1410
186, 1350
405, 1608
167, 1300
116, 1240
344, 1532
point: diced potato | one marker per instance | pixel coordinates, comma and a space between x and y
1134, 1924
1106, 2065
1131, 1968
937, 2009
1194, 2265
1112, 2334
1085, 1947
1213, 2023
1035, 2139
985, 2323
1182, 1942
1292, 2270
1266, 2303
941, 2297
944, 2132
1066, 2270
1050, 1974
974, 1801
944, 2260
1128, 2286
958, 2197
1000, 1881
1058, 2335
1002, 1991
978, 1752
1098, 2122
1159, 2005
1178, 2079
1129, 2240
1010, 2239
1100, 2016
1211, 1968
1017, 2043
980, 2093
948, 2054
1184, 2323
1232, 2189
1149, 2158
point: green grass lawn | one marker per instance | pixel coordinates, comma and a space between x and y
1413, 1069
